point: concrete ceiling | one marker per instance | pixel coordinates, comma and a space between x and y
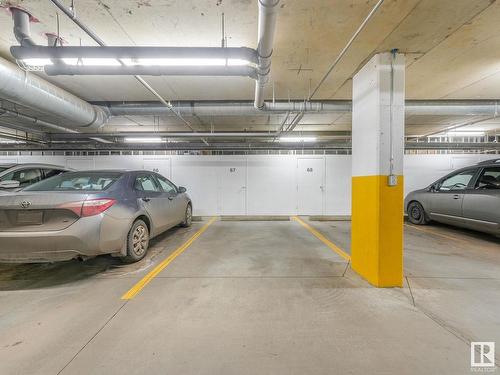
452, 48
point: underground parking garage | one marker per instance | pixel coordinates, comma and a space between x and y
249, 187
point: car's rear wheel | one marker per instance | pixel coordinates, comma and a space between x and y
188, 218
416, 214
137, 242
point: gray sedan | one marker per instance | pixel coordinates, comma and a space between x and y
88, 213
468, 197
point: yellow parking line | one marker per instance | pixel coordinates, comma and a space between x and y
450, 237
151, 275
323, 239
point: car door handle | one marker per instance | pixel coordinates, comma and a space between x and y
146, 199
170, 198
456, 196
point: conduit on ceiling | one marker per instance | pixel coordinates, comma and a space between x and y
251, 63
34, 92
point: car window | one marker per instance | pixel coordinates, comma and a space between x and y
489, 179
146, 183
24, 176
459, 181
166, 185
52, 172
94, 181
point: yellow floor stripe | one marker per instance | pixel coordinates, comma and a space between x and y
323, 239
160, 267
450, 237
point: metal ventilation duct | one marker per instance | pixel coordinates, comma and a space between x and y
131, 54
29, 90
241, 108
22, 27
268, 12
223, 108
207, 71
258, 66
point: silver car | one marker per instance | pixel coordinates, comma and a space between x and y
17, 176
88, 213
468, 197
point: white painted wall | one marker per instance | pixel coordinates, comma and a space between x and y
260, 184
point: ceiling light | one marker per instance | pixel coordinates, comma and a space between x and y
73, 61
462, 134
297, 139
10, 141
36, 62
144, 140
185, 62
141, 62
91, 62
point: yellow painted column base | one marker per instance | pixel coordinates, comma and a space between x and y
377, 230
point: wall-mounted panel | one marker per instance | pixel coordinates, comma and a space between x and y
338, 185
200, 177
310, 185
233, 186
272, 186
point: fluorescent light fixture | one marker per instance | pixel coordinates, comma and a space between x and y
461, 134
10, 141
297, 139
466, 134
185, 62
92, 62
73, 61
140, 62
144, 140
37, 62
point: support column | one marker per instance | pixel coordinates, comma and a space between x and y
377, 170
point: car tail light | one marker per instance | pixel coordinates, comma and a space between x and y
96, 206
90, 207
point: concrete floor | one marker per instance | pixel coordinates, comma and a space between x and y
255, 298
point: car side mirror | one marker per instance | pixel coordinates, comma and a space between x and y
181, 189
9, 184
434, 188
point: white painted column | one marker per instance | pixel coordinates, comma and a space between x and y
377, 170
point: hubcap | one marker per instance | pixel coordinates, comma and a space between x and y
188, 215
415, 212
140, 240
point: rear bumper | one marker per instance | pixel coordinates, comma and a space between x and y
89, 236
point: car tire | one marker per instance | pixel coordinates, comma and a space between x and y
188, 217
137, 242
416, 214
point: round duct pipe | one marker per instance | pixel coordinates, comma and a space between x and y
22, 87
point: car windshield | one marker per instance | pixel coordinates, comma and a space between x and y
3, 168
93, 181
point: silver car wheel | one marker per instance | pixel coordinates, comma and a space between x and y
140, 240
416, 213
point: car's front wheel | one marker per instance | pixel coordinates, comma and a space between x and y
188, 218
137, 242
416, 214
